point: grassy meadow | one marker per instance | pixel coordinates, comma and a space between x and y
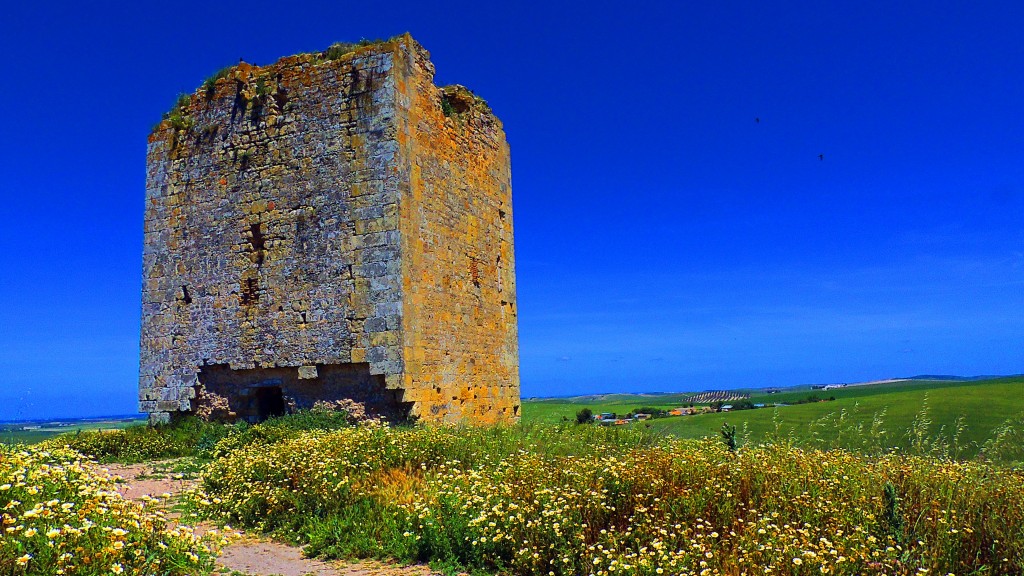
895, 479
579, 499
874, 417
14, 432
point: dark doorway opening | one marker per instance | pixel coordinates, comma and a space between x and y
255, 394
269, 402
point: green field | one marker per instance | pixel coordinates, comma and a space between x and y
848, 421
553, 410
14, 433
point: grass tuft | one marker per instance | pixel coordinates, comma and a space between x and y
210, 84
339, 50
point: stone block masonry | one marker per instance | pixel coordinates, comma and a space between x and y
330, 228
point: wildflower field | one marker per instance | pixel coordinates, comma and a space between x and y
61, 515
570, 500
556, 499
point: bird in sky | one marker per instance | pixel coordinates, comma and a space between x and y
757, 120
821, 156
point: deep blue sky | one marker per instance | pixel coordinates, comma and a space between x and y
664, 239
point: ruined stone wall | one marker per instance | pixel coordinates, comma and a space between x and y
460, 336
319, 212
271, 231
261, 392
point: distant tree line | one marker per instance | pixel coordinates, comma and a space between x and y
811, 399
737, 405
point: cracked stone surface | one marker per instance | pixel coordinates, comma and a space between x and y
330, 230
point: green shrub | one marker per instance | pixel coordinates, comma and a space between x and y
185, 437
585, 416
446, 107
729, 437
279, 428
194, 437
262, 88
178, 115
457, 100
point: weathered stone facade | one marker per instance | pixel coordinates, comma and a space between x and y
331, 227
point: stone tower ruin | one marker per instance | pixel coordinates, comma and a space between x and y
330, 228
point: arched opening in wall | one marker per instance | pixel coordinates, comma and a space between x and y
255, 394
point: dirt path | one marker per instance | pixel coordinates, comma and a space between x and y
250, 555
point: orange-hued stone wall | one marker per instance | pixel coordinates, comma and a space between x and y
459, 309
333, 228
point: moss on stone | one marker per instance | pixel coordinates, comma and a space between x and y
210, 84
456, 99
179, 117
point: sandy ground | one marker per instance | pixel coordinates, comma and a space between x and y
250, 555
